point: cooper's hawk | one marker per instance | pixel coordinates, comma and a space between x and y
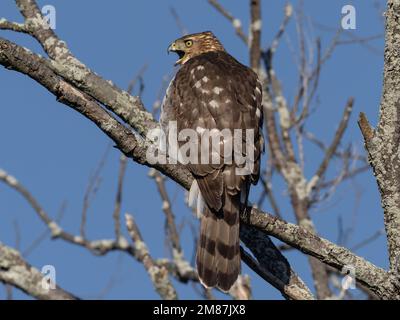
212, 90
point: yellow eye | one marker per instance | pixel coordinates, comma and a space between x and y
188, 43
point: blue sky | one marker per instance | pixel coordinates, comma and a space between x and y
53, 150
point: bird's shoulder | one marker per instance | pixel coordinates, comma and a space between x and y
220, 62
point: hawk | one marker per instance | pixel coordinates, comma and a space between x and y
213, 91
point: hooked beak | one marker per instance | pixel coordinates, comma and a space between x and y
171, 48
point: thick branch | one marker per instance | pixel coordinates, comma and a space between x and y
374, 278
18, 273
383, 144
271, 265
127, 107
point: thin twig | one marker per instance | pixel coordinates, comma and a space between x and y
368, 240
288, 11
235, 22
166, 206
268, 54
118, 197
36, 242
270, 195
338, 154
137, 78
178, 21
334, 145
347, 175
91, 190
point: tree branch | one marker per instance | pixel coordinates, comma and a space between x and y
334, 145
383, 143
158, 274
237, 25
271, 265
18, 273
118, 197
13, 26
127, 107
255, 34
172, 231
374, 278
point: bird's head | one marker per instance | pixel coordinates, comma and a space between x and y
193, 45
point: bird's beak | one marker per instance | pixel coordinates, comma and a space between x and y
171, 48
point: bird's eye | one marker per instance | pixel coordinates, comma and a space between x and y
188, 43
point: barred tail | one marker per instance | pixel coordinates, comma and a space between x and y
218, 249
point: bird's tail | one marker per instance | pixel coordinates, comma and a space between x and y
218, 249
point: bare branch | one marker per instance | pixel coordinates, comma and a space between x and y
333, 147
91, 190
375, 279
13, 26
255, 34
18, 273
127, 107
98, 247
166, 206
339, 153
36, 242
271, 265
158, 275
368, 240
343, 176
288, 12
268, 54
118, 198
270, 195
237, 24
137, 78
354, 39
382, 144
178, 21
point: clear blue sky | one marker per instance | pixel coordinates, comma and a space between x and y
52, 150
